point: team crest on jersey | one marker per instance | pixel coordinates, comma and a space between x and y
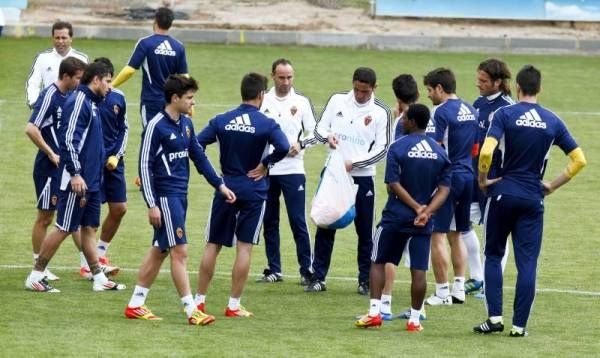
188, 132
293, 110
368, 119
179, 232
82, 202
116, 110
54, 200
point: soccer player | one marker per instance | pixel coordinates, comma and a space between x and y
168, 141
113, 111
492, 81
42, 129
81, 151
407, 93
242, 134
294, 113
160, 55
359, 126
45, 68
515, 202
417, 175
455, 128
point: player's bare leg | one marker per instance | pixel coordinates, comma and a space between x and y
207, 266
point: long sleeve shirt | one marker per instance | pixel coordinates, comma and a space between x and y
364, 130
80, 138
44, 71
295, 115
167, 145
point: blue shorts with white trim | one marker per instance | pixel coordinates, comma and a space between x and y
74, 211
114, 189
46, 190
389, 244
172, 232
240, 221
454, 215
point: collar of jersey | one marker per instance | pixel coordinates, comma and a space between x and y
494, 96
94, 97
247, 107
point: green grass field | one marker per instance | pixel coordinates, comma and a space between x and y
289, 322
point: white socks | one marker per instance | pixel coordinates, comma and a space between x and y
36, 275
375, 307
83, 260
139, 296
199, 299
101, 278
102, 248
415, 316
188, 305
473, 255
234, 303
442, 290
496, 319
458, 285
386, 304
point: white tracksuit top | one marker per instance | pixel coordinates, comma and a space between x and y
364, 130
294, 114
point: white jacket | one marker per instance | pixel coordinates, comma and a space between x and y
44, 71
364, 130
294, 114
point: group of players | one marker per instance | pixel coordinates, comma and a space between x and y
79, 124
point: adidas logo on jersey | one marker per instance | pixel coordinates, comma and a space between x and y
422, 150
241, 124
301, 188
430, 127
172, 137
465, 114
164, 49
531, 119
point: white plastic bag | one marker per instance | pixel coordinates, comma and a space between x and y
333, 203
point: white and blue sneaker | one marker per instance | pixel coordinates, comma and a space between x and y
387, 316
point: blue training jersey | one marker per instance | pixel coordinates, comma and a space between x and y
420, 165
46, 115
244, 135
525, 134
81, 141
113, 111
486, 106
159, 56
456, 128
164, 166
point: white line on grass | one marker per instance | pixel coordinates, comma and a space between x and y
232, 105
332, 278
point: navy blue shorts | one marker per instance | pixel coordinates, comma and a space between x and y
74, 211
240, 221
150, 109
389, 243
454, 215
173, 210
114, 189
46, 190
